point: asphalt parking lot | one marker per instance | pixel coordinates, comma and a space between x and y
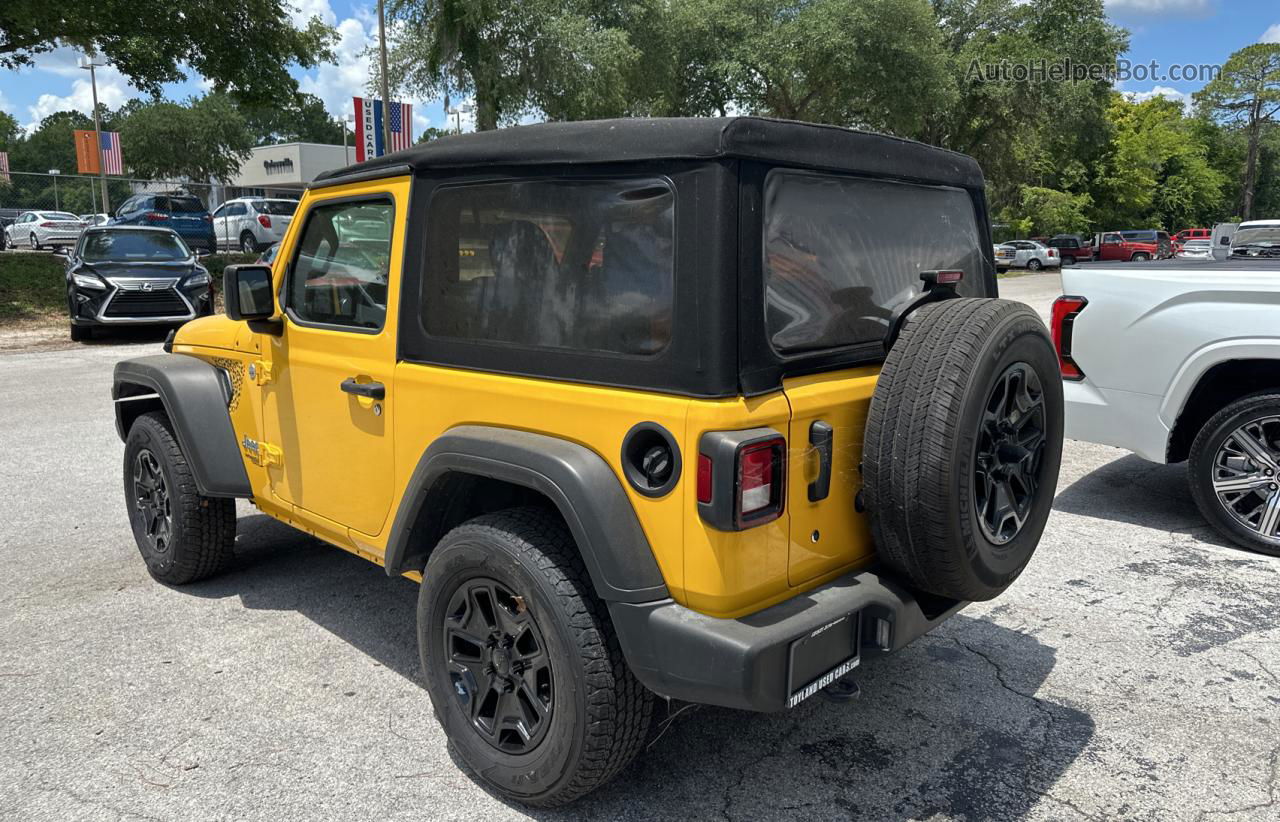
1133, 672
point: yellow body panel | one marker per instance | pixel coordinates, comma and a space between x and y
342, 462
828, 535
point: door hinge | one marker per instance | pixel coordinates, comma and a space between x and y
262, 453
260, 372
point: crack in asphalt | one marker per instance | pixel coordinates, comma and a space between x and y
775, 748
1272, 788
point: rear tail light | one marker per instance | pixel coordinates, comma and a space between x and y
741, 478
155, 216
46, 225
704, 478
1065, 311
1053, 252
264, 221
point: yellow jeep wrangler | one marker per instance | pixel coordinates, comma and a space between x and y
707, 410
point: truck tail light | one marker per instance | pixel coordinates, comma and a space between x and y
264, 221
1065, 311
741, 477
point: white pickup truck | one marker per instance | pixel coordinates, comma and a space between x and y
1180, 360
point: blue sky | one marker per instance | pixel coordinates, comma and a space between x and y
1168, 31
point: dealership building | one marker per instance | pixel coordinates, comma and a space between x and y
284, 170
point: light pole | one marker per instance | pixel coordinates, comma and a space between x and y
86, 62
54, 172
346, 154
457, 112
386, 96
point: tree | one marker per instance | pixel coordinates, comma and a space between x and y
1247, 93
1050, 212
569, 60
206, 139
1156, 172
8, 131
244, 47
302, 119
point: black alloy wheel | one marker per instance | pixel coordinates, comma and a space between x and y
151, 499
498, 665
1008, 453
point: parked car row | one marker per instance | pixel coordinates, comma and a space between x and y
248, 224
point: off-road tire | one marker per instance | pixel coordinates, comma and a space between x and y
202, 530
600, 713
1200, 467
922, 436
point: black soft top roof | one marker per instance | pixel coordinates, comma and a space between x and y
784, 142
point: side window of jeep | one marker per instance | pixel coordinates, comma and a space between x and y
583, 265
340, 269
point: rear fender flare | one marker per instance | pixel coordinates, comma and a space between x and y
578, 481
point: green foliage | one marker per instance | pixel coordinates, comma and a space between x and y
32, 287
1047, 211
207, 139
302, 119
1246, 94
245, 47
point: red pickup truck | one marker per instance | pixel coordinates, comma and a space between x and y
1073, 248
1134, 245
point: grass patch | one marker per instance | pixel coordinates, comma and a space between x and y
32, 287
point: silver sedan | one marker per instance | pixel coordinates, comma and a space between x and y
1027, 254
39, 229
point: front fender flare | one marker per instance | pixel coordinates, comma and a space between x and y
195, 400
578, 481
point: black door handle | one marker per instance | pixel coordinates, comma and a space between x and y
372, 390
821, 436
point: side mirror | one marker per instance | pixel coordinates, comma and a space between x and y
60, 250
246, 292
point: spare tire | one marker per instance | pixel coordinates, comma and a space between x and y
963, 444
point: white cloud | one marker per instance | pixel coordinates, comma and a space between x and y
1271, 35
1188, 8
113, 91
1160, 91
302, 11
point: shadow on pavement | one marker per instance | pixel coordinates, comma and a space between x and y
951, 725
1136, 492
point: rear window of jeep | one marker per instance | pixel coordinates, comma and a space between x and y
576, 264
842, 253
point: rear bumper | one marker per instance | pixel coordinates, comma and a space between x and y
1125, 419
746, 663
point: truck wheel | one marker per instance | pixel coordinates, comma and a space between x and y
963, 443
1068, 260
183, 537
1140, 257
1234, 472
522, 664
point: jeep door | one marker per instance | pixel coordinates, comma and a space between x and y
329, 401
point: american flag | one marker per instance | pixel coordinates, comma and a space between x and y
4, 166
112, 162
369, 137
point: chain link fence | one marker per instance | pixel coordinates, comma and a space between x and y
81, 194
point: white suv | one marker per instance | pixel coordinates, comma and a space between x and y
252, 223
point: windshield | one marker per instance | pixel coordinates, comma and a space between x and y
282, 208
114, 246
1261, 237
